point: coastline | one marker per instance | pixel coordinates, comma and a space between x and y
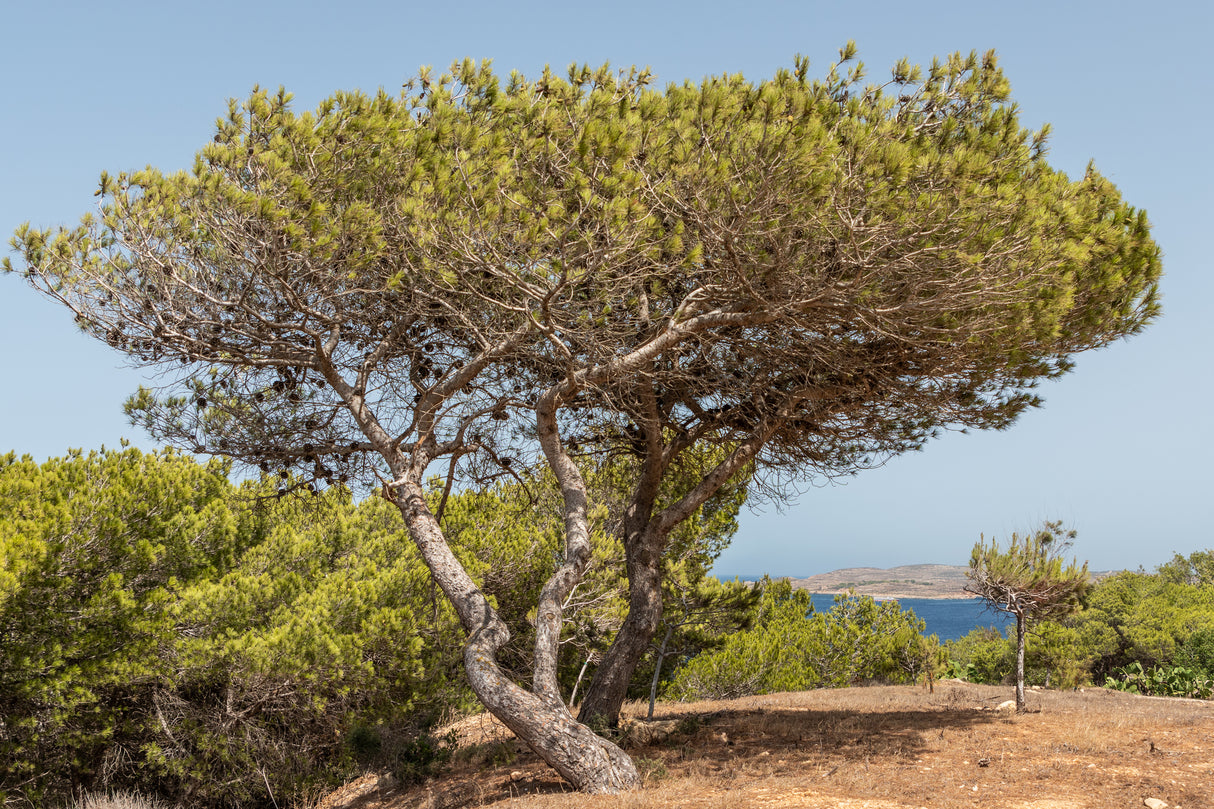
879, 594
929, 581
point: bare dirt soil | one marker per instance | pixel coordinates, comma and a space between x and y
882, 747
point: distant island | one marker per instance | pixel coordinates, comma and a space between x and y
906, 581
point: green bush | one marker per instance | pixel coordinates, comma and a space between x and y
94, 550
1161, 681
320, 652
1145, 618
1197, 652
985, 655
792, 648
165, 631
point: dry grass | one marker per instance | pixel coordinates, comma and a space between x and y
117, 800
872, 748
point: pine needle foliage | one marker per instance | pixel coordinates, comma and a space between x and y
808, 275
1029, 579
842, 267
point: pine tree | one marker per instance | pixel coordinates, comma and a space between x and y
1029, 580
804, 277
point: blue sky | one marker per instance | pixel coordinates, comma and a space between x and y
1122, 448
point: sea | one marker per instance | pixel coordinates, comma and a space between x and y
946, 618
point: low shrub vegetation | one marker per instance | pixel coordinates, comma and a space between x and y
792, 648
172, 638
1161, 681
1131, 627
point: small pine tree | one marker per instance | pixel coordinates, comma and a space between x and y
1029, 580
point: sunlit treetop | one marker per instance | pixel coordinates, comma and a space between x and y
718, 281
841, 267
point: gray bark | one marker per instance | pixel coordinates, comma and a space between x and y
645, 534
550, 612
589, 762
657, 670
1020, 634
539, 719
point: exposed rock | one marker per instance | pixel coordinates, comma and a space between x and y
1154, 803
1009, 706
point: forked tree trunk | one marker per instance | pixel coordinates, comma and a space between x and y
645, 535
589, 762
608, 688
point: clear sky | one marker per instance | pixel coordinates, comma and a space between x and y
1122, 448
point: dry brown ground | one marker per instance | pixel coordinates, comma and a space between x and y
886, 747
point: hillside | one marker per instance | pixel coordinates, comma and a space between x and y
887, 747
906, 581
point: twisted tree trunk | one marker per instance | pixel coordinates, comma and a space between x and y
645, 533
609, 686
542, 722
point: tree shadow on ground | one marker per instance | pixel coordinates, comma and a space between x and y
738, 741
730, 734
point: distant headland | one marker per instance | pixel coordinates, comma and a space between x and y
906, 581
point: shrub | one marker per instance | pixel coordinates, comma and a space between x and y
1161, 681
163, 630
93, 550
792, 648
985, 656
1197, 652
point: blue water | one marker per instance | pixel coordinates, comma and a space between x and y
946, 618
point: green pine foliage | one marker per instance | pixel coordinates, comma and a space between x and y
1029, 578
165, 630
1197, 569
792, 648
168, 631
982, 656
1130, 622
1146, 618
306, 661
94, 552
1197, 651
